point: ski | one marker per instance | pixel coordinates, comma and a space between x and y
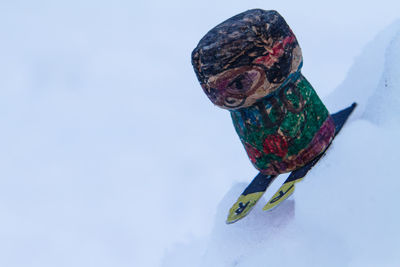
296, 176
250, 196
256, 189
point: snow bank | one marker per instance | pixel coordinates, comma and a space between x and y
384, 104
346, 212
367, 75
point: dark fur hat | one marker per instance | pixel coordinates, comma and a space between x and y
254, 38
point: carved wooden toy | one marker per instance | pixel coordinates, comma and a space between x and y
251, 65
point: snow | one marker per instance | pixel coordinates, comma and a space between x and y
111, 155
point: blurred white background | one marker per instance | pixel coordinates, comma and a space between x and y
110, 153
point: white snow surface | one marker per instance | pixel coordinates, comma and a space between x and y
111, 154
345, 213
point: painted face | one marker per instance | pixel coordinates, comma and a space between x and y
243, 86
231, 88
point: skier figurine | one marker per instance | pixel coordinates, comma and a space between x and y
251, 65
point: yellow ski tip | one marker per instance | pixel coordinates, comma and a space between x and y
283, 193
243, 206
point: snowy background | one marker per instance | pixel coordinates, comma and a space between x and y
111, 155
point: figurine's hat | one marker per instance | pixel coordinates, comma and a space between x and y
246, 58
